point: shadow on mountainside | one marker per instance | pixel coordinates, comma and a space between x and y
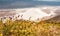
57, 19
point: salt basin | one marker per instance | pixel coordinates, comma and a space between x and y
34, 14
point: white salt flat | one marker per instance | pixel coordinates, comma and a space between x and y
34, 14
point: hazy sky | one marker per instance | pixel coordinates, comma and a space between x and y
31, 0
47, 0
27, 3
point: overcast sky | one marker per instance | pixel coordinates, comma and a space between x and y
27, 3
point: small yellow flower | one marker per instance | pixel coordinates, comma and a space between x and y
11, 30
1, 35
15, 31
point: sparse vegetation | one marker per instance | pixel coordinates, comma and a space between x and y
29, 28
